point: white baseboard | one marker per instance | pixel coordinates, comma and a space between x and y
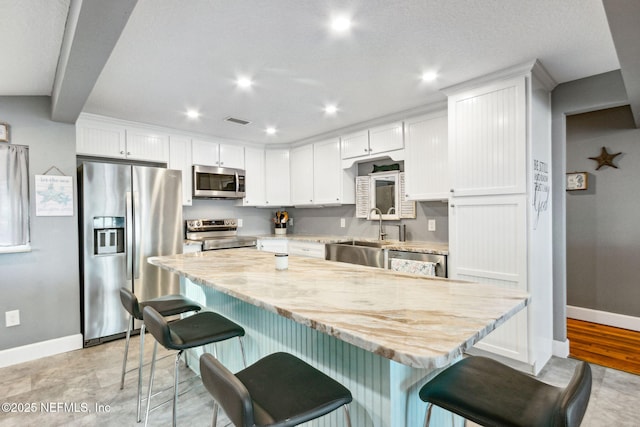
604, 318
560, 348
34, 351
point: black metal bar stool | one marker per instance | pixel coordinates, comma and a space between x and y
278, 390
169, 305
492, 394
198, 330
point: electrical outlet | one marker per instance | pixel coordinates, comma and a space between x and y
431, 225
290, 222
239, 222
12, 318
343, 222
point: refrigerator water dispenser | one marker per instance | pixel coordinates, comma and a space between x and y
108, 235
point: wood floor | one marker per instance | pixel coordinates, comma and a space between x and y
604, 345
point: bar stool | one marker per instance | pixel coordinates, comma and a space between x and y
492, 394
200, 329
278, 390
168, 305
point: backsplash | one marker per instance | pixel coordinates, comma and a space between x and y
327, 221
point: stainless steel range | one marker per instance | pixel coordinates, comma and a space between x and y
217, 234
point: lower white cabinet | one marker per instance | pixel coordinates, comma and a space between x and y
308, 249
279, 246
180, 159
488, 244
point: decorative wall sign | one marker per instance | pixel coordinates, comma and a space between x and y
605, 159
577, 181
4, 132
54, 195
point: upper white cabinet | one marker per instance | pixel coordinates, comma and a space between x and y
254, 177
180, 159
277, 178
387, 140
332, 185
500, 229
101, 138
302, 175
426, 157
488, 134
209, 153
317, 177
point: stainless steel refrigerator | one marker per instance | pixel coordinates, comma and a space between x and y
127, 213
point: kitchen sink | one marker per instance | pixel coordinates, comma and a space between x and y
360, 252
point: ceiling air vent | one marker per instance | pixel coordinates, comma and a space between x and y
237, 121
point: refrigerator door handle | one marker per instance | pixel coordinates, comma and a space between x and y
136, 230
129, 228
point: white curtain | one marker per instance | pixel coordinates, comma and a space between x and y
14, 195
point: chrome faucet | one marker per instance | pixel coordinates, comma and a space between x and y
381, 233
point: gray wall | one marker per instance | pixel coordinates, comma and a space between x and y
43, 284
579, 96
603, 236
256, 221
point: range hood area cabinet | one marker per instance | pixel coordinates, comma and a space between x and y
99, 137
500, 228
317, 177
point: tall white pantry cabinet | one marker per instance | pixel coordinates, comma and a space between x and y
500, 229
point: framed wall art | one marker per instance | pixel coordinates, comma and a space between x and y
4, 132
577, 181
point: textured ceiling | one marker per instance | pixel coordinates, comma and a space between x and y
171, 57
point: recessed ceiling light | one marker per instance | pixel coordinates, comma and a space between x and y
244, 82
193, 114
331, 109
271, 130
429, 76
341, 24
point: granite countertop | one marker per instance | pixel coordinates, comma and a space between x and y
411, 246
416, 321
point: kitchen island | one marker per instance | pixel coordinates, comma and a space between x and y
382, 334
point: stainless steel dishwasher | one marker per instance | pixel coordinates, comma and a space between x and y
418, 263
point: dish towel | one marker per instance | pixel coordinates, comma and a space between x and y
424, 268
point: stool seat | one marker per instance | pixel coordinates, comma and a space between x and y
168, 305
278, 390
197, 330
492, 394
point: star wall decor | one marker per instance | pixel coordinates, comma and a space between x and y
605, 159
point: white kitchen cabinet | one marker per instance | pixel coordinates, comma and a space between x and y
146, 144
302, 175
377, 142
332, 185
426, 157
277, 178
500, 206
488, 127
386, 138
102, 137
180, 159
279, 246
210, 153
355, 144
306, 249
94, 138
488, 243
254, 177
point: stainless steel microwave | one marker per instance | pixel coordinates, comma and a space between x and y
213, 182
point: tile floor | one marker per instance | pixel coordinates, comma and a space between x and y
87, 382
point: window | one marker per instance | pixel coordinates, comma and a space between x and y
14, 198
